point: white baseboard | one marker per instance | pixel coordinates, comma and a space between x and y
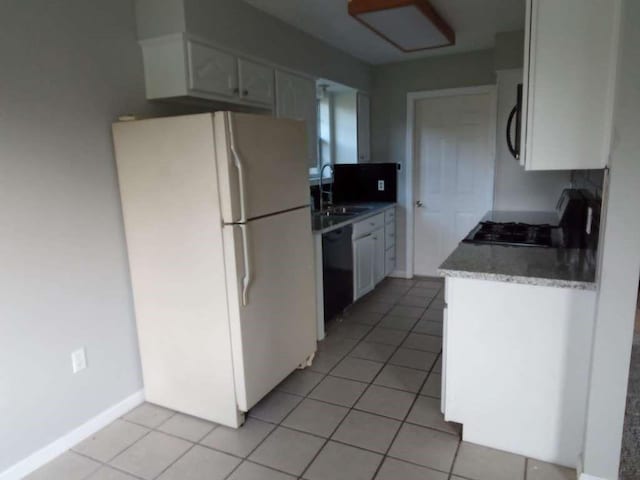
399, 274
584, 476
64, 443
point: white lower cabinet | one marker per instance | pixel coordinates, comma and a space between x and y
378, 255
371, 254
516, 359
363, 268
389, 261
390, 241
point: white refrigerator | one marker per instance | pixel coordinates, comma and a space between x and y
218, 231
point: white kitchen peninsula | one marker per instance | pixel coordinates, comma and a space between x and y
518, 329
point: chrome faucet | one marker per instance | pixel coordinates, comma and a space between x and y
322, 192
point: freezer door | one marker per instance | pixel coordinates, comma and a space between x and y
261, 164
276, 330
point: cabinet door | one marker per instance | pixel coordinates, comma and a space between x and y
256, 82
363, 266
379, 255
364, 127
212, 71
390, 261
296, 99
570, 66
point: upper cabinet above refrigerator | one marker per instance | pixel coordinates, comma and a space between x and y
569, 79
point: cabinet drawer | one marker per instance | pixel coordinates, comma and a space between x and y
365, 227
389, 261
390, 237
390, 216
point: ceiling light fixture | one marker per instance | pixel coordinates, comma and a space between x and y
410, 25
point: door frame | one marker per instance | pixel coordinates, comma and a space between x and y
412, 98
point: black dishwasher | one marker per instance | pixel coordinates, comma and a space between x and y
337, 271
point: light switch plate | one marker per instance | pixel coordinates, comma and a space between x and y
381, 185
78, 360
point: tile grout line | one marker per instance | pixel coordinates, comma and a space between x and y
414, 400
243, 459
404, 421
455, 457
416, 394
279, 424
356, 400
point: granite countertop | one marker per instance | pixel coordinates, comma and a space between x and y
324, 224
553, 267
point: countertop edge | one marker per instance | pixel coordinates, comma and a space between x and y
544, 282
356, 218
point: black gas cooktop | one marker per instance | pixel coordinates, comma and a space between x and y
520, 234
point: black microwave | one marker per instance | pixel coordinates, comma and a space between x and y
514, 130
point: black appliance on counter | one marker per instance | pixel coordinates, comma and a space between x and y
365, 182
570, 231
514, 233
337, 270
516, 114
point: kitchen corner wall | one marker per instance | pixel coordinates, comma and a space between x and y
391, 83
69, 68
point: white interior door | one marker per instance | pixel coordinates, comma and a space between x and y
276, 330
454, 156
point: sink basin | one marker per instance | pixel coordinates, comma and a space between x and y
345, 211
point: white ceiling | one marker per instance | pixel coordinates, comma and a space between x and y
474, 21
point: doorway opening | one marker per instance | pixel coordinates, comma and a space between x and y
451, 141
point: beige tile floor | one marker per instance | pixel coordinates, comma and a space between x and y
367, 408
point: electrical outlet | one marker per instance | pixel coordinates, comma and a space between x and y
78, 360
381, 185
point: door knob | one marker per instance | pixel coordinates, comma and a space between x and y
419, 204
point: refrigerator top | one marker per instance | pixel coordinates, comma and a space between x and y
261, 165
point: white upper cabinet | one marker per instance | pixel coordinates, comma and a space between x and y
176, 66
570, 62
212, 71
364, 127
256, 82
296, 99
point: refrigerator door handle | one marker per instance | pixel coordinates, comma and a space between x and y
246, 279
238, 164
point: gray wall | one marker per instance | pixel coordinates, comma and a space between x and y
241, 27
69, 68
509, 50
159, 17
391, 83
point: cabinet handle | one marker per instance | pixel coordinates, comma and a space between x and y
372, 224
245, 93
236, 91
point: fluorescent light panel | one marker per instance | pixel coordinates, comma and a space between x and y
410, 25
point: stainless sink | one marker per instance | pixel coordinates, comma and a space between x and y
342, 211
